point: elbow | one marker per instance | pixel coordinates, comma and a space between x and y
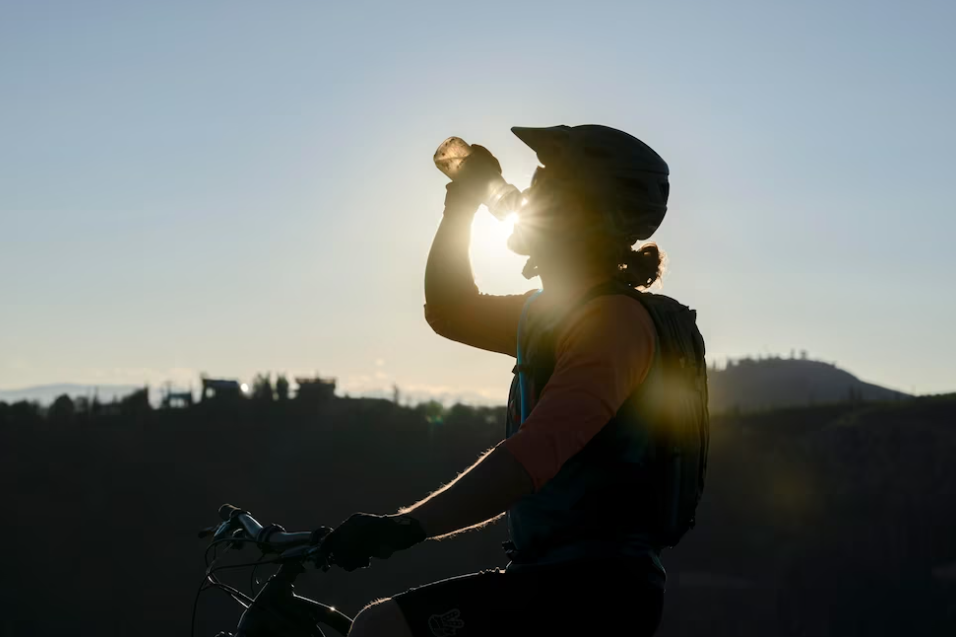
438, 320
450, 323
536, 456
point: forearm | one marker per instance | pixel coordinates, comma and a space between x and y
448, 275
484, 491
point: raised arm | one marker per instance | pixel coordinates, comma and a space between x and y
454, 307
448, 277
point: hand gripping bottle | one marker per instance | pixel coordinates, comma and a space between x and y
452, 159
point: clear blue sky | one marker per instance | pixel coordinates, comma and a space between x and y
233, 187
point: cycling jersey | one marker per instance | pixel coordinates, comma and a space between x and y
604, 353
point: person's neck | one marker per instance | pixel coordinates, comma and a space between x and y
564, 284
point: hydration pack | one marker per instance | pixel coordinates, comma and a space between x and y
680, 415
672, 401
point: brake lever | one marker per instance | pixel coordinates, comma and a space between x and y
211, 530
318, 555
314, 552
223, 530
217, 531
320, 559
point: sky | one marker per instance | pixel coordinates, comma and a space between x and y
240, 187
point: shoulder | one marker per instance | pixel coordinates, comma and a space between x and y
615, 329
613, 315
613, 338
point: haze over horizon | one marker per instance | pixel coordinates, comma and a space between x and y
240, 188
733, 380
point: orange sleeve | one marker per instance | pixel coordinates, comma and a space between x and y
602, 356
484, 321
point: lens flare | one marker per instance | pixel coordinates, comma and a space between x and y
497, 269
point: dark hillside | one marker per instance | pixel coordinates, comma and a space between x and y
834, 520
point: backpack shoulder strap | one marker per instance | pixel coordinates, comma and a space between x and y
536, 348
521, 367
543, 340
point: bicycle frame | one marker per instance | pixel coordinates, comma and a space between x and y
277, 610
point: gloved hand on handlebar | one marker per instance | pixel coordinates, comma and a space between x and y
364, 536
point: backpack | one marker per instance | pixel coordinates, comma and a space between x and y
682, 418
673, 400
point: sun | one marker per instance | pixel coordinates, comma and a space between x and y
497, 269
487, 232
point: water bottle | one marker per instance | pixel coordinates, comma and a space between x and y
500, 197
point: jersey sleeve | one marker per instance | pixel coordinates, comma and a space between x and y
602, 356
485, 321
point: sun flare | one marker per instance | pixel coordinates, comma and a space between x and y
497, 269
489, 235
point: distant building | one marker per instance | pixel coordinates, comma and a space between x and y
315, 390
177, 400
220, 389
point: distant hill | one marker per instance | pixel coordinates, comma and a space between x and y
751, 384
46, 394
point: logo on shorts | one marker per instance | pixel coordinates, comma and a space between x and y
446, 625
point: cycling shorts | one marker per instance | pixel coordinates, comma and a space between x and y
581, 598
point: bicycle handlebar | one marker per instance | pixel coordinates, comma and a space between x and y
294, 551
273, 536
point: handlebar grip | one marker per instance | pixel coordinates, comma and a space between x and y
226, 512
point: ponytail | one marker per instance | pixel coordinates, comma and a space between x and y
641, 268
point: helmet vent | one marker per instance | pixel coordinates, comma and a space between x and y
665, 189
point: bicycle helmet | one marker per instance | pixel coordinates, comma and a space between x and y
618, 174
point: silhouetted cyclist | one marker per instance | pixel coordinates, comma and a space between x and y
607, 432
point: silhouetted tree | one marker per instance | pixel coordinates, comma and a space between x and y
62, 409
458, 413
282, 387
24, 412
262, 388
136, 403
433, 411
